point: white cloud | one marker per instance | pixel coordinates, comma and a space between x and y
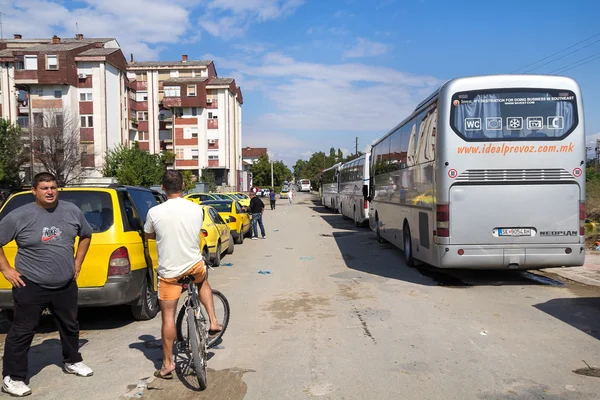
142, 27
231, 18
367, 48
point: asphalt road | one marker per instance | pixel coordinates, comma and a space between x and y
341, 317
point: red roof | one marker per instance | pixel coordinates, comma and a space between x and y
254, 152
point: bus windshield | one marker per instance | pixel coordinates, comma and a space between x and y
513, 115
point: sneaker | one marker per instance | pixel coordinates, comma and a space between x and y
264, 237
254, 238
79, 369
15, 388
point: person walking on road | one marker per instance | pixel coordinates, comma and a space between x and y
257, 207
272, 195
290, 196
176, 226
44, 275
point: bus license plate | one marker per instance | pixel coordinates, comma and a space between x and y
514, 232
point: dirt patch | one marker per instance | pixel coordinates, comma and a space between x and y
305, 303
224, 384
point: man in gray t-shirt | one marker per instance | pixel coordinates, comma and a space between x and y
44, 276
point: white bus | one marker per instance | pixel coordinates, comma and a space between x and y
329, 187
487, 172
304, 185
353, 179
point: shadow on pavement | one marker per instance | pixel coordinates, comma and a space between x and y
362, 252
582, 313
46, 353
151, 347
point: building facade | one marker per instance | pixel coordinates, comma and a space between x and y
76, 82
183, 107
250, 155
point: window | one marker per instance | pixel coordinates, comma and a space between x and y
85, 96
59, 120
194, 154
57, 94
38, 120
19, 65
174, 74
179, 154
141, 96
31, 63
213, 157
52, 62
194, 112
178, 112
172, 91
87, 121
194, 132
191, 90
143, 136
212, 116
142, 115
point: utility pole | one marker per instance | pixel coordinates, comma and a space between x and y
356, 147
1, 27
272, 174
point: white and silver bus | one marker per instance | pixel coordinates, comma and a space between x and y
304, 185
330, 188
353, 179
487, 172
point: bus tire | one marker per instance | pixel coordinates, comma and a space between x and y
342, 212
408, 250
380, 239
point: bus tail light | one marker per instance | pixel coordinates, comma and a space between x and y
365, 204
582, 218
443, 220
118, 263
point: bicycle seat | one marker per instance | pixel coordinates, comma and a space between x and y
186, 279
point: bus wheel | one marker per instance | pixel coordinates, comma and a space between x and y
342, 212
408, 254
378, 232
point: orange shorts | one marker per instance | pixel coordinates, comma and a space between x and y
170, 289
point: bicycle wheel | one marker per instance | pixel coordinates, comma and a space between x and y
222, 312
197, 349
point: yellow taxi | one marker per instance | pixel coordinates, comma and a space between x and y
243, 198
199, 197
237, 219
120, 266
283, 194
217, 235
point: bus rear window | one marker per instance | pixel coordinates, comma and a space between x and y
514, 114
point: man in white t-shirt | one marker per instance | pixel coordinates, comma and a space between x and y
176, 226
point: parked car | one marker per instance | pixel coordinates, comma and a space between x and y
217, 235
283, 194
243, 198
199, 197
237, 219
120, 266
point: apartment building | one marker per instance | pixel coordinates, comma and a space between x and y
47, 81
184, 107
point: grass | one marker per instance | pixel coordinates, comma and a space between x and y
592, 210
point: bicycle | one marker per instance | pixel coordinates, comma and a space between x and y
197, 339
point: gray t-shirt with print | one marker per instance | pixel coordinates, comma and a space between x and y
45, 238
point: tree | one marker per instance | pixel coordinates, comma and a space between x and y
261, 171
57, 146
299, 169
208, 177
281, 173
132, 166
189, 180
12, 155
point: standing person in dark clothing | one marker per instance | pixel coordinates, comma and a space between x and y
257, 207
44, 276
272, 198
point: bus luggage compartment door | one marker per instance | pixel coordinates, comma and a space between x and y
514, 214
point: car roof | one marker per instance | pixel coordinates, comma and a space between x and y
209, 202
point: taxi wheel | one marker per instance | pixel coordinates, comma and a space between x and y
217, 259
149, 303
240, 238
230, 248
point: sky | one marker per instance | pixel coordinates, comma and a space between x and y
318, 74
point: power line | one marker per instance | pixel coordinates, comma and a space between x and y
573, 63
558, 52
561, 57
583, 63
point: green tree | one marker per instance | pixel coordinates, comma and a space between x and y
132, 166
208, 177
261, 171
280, 173
299, 169
189, 180
12, 154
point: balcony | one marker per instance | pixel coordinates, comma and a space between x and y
139, 85
26, 76
213, 163
212, 123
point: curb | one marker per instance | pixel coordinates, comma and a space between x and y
574, 276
